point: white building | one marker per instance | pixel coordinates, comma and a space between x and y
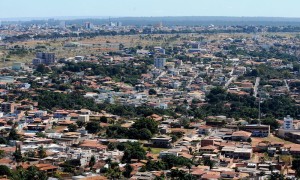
84, 118
288, 123
160, 63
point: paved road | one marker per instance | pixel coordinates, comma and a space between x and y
287, 85
191, 80
161, 74
256, 86
233, 78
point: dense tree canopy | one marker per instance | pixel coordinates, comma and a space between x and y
93, 127
50, 100
125, 73
132, 150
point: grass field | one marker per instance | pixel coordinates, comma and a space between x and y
155, 150
271, 138
104, 44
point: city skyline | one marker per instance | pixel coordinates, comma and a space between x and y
154, 8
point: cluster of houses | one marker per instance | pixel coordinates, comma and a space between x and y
179, 76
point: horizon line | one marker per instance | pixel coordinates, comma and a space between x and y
118, 17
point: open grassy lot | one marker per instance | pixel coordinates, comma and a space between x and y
103, 44
271, 138
155, 150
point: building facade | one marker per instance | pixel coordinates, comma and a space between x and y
44, 58
159, 63
288, 123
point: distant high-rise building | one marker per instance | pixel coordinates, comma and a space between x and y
288, 123
112, 24
62, 24
161, 24
160, 63
119, 24
89, 25
44, 58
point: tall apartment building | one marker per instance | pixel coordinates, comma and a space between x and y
288, 123
159, 63
7, 107
44, 58
89, 25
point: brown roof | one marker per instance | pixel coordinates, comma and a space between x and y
228, 172
211, 175
209, 147
45, 167
186, 155
197, 171
95, 178
135, 166
5, 161
100, 164
241, 133
8, 149
92, 144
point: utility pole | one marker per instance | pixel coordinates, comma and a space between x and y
259, 109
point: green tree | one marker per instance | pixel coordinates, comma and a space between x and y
71, 165
3, 140
128, 170
144, 134
155, 165
40, 134
80, 124
2, 154
272, 122
93, 127
121, 46
146, 123
216, 95
276, 176
296, 165
113, 171
92, 161
41, 152
152, 92
72, 127
13, 135
32, 173
177, 174
17, 154
209, 162
4, 170
103, 119
41, 68
30, 154
133, 150
174, 161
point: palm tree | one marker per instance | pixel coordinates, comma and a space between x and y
42, 152
189, 166
92, 161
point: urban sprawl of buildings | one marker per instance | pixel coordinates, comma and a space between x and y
113, 101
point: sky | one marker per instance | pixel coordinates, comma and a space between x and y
147, 8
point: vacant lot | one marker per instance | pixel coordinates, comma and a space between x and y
271, 138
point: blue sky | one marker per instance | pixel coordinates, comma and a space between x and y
117, 8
